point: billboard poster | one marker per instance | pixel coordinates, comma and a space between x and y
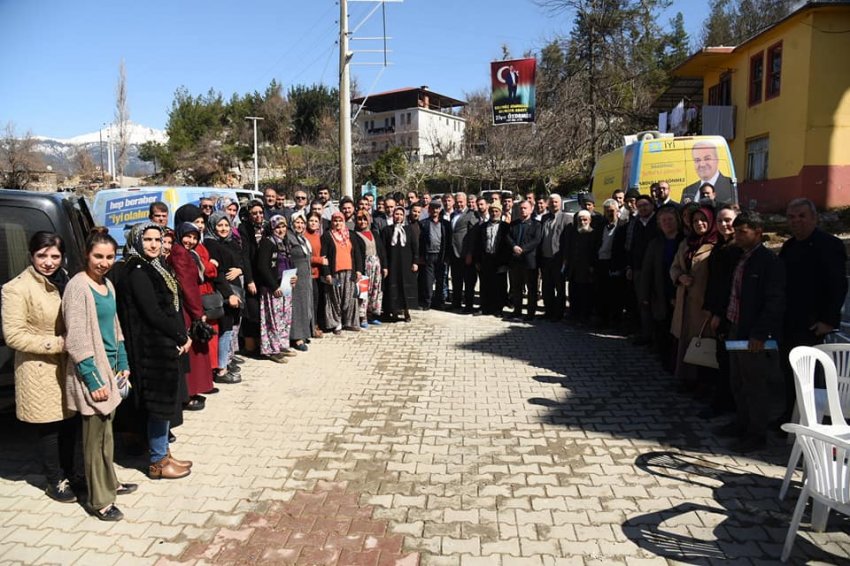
513, 91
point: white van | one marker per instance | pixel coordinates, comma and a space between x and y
119, 209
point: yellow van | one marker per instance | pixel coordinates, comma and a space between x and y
686, 163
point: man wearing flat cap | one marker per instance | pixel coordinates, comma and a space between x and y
491, 260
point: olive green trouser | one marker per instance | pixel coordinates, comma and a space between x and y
98, 449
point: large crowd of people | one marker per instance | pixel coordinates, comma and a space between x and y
175, 317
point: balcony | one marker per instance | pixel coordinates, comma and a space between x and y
719, 121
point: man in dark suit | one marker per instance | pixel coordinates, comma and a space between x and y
753, 312
434, 244
523, 239
463, 221
705, 161
491, 259
661, 194
550, 259
815, 267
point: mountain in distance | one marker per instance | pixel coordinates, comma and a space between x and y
59, 153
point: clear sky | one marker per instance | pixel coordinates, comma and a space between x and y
60, 59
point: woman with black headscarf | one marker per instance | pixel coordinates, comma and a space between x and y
227, 252
33, 327
156, 339
252, 229
275, 306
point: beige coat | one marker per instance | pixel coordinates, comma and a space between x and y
33, 327
82, 341
688, 315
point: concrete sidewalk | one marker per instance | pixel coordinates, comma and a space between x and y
452, 440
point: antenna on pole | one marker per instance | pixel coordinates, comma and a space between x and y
345, 56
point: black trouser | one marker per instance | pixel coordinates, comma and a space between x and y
581, 301
463, 283
754, 378
791, 341
434, 271
553, 286
494, 286
610, 292
57, 444
523, 279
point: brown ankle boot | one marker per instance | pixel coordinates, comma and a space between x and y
181, 463
166, 469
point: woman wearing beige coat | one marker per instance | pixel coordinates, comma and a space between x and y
33, 327
690, 275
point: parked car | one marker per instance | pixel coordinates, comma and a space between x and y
22, 214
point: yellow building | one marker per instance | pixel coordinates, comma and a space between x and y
782, 100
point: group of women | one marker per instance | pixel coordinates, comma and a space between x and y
159, 328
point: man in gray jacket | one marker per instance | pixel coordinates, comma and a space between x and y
550, 259
463, 221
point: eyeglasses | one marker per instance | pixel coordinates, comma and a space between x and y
207, 206
300, 198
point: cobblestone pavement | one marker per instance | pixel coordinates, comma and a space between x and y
453, 440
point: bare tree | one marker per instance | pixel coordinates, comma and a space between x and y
122, 119
84, 165
18, 159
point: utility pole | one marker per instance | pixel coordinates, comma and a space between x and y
102, 171
256, 171
346, 183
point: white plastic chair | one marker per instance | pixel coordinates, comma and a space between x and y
827, 461
841, 357
804, 361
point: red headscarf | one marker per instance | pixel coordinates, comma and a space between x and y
709, 238
340, 236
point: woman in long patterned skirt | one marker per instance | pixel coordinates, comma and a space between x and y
344, 252
275, 306
370, 307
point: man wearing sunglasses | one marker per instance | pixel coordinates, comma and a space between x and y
206, 206
302, 202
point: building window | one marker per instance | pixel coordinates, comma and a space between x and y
721, 93
757, 153
756, 76
774, 71
408, 118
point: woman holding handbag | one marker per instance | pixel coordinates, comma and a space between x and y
97, 369
689, 273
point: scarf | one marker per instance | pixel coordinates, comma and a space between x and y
137, 252
709, 238
293, 239
188, 228
215, 218
399, 236
59, 279
341, 236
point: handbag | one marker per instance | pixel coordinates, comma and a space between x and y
239, 291
702, 351
201, 332
213, 305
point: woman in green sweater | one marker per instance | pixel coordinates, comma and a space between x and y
97, 369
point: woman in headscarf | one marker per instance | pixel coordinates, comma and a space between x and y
225, 250
313, 234
343, 250
185, 269
157, 344
275, 306
690, 275
399, 273
205, 272
373, 250
34, 329
252, 229
301, 253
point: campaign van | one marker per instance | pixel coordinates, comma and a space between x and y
686, 163
119, 209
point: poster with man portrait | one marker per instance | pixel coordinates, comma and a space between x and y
513, 91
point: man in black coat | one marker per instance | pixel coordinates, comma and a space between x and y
816, 272
640, 230
523, 239
463, 222
753, 313
491, 260
434, 243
